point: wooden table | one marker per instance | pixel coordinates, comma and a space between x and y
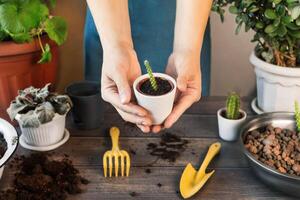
233, 178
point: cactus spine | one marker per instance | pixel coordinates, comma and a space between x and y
151, 77
233, 106
297, 116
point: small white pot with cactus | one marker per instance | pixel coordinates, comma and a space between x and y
231, 118
41, 115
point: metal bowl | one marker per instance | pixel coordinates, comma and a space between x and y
286, 183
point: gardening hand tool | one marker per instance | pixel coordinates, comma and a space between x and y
120, 157
191, 180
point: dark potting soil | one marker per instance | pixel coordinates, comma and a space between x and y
163, 85
3, 145
40, 177
276, 147
169, 148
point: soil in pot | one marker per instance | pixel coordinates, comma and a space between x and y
276, 147
3, 145
163, 85
39, 177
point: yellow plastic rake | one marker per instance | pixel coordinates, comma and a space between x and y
116, 157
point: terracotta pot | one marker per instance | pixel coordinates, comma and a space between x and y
19, 69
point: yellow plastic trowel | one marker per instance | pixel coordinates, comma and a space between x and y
191, 180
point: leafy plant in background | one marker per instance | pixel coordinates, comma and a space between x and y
38, 106
151, 77
297, 116
23, 20
233, 106
276, 24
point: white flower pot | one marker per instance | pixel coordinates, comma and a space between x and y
277, 87
159, 106
46, 134
229, 128
11, 137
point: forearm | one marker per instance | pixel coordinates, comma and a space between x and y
191, 20
111, 18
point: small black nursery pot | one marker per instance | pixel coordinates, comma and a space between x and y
87, 111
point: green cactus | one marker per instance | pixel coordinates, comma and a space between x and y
152, 79
297, 116
233, 106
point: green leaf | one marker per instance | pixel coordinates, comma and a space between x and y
295, 12
270, 28
9, 19
276, 22
276, 1
259, 25
270, 14
56, 28
233, 10
46, 55
21, 37
298, 22
281, 31
238, 28
253, 9
292, 26
3, 34
286, 19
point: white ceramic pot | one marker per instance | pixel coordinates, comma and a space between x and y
11, 137
277, 87
46, 134
229, 128
159, 106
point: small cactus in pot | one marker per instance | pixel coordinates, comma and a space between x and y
231, 118
297, 116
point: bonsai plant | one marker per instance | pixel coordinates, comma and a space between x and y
29, 36
40, 114
276, 57
156, 93
231, 118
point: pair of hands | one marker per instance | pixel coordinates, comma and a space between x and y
120, 69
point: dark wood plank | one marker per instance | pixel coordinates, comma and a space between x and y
225, 184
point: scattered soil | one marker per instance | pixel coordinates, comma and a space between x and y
148, 171
133, 194
3, 145
169, 148
164, 86
40, 177
133, 152
276, 147
159, 184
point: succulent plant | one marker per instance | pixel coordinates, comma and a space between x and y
151, 77
38, 106
233, 106
297, 116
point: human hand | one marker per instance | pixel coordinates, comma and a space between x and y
120, 69
185, 68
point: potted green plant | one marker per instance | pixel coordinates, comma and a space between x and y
231, 118
276, 57
29, 39
156, 93
41, 115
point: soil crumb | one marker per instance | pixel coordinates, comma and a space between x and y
133, 194
39, 177
159, 184
169, 148
148, 171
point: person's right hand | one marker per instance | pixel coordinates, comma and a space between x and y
120, 69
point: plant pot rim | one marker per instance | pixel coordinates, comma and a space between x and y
67, 88
232, 120
11, 48
274, 69
161, 75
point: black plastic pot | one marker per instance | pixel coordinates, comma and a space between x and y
87, 111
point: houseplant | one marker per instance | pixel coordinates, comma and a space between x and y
276, 57
41, 115
231, 118
29, 36
156, 93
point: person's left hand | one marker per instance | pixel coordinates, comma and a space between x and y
185, 68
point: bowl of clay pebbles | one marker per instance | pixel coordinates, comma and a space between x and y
156, 93
271, 143
8, 143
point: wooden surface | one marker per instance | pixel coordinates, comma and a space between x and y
233, 178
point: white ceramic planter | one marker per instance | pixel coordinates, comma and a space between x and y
277, 87
46, 134
11, 137
228, 128
159, 106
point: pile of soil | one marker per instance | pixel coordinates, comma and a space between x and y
276, 147
40, 177
163, 87
3, 145
169, 148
